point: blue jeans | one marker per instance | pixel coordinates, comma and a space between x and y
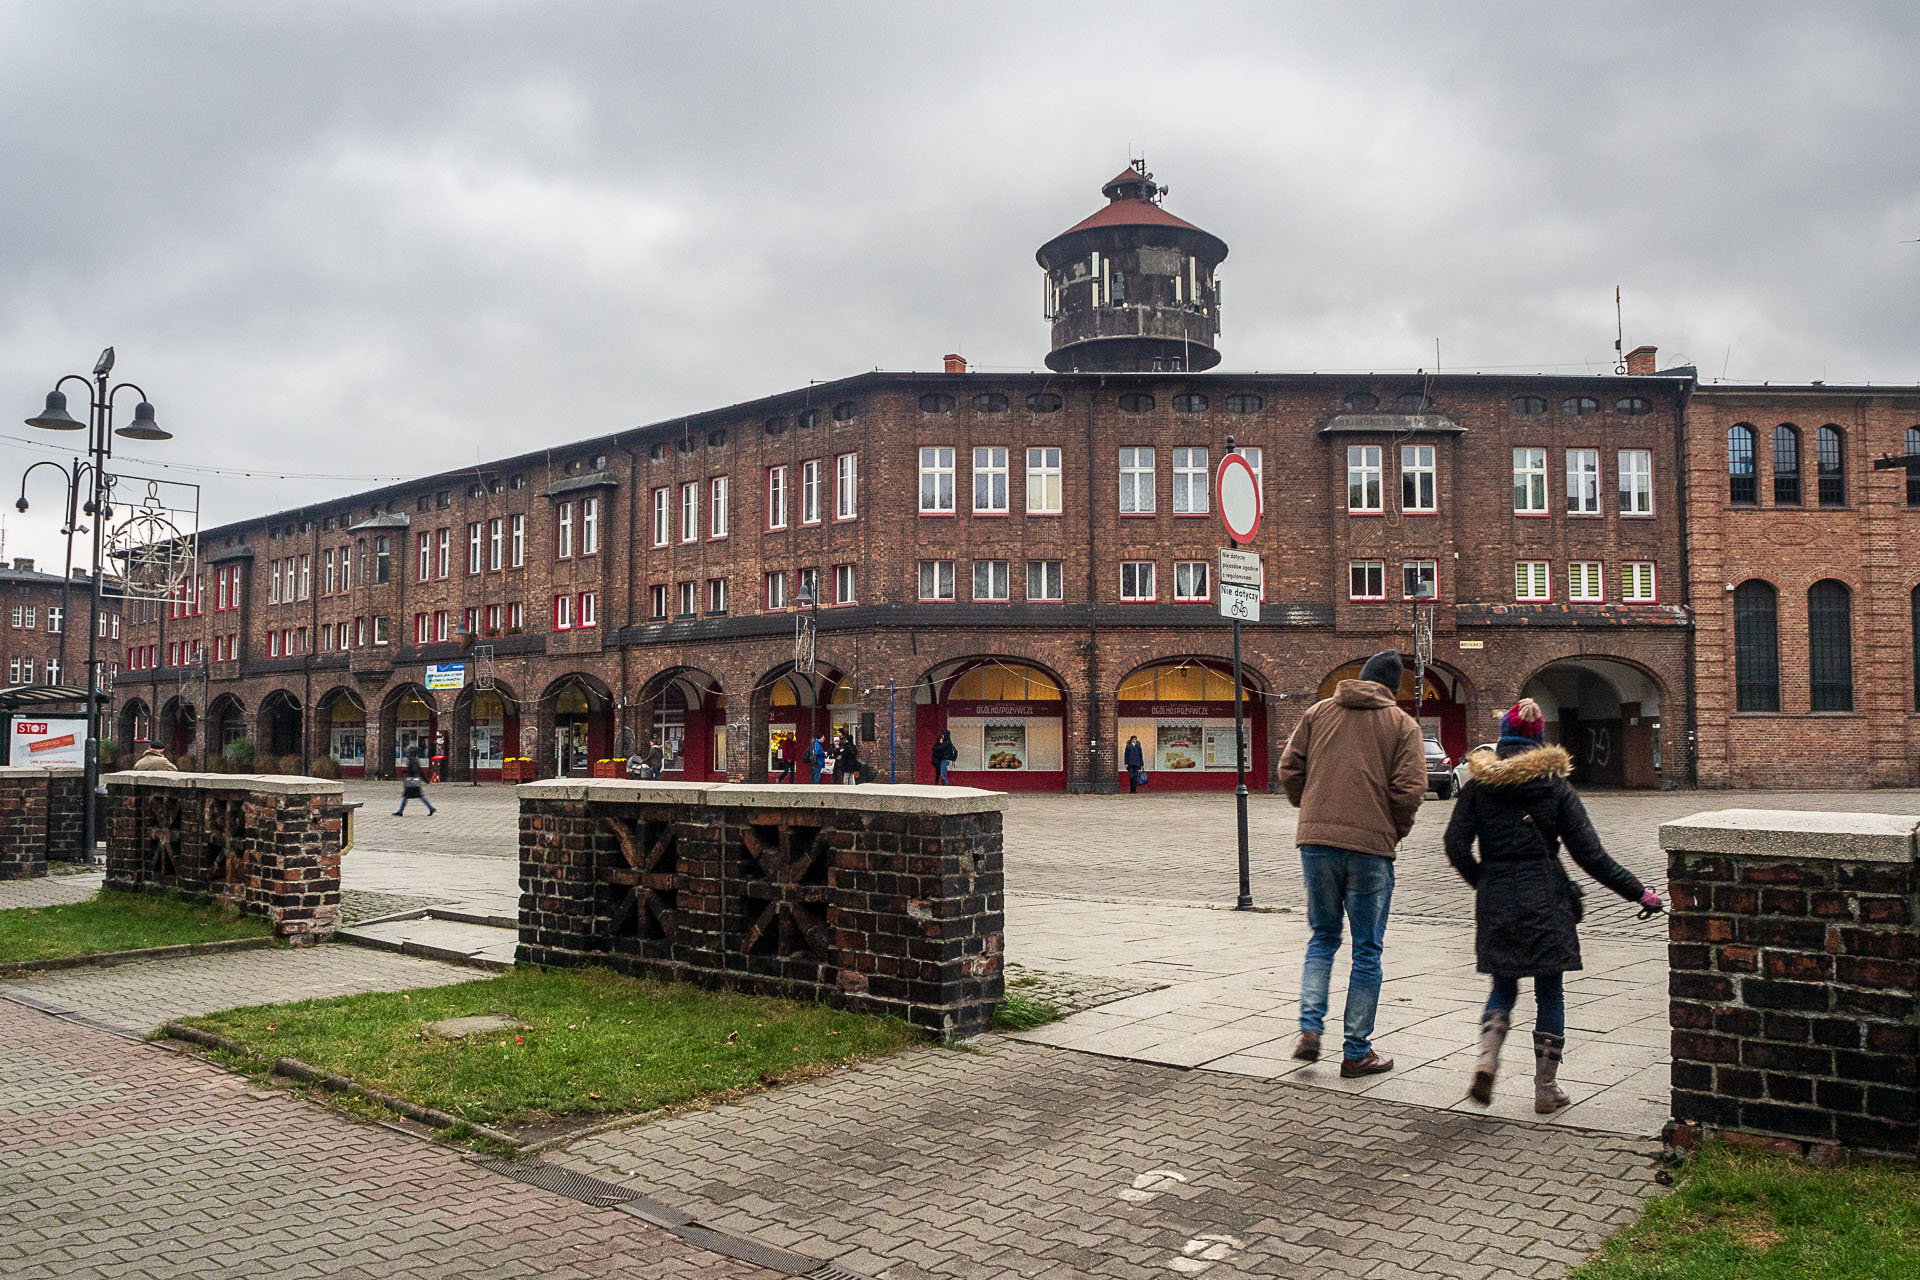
940, 772
1359, 888
1549, 999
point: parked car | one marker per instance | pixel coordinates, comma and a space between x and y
1440, 775
1460, 769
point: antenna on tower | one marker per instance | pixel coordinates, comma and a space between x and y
1619, 334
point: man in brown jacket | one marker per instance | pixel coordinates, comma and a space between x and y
1357, 772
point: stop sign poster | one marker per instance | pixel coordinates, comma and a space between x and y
62, 741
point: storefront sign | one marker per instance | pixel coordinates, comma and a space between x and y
49, 742
446, 675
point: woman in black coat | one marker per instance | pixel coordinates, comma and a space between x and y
1520, 806
1136, 762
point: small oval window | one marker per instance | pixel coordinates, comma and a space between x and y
843, 412
808, 418
1529, 406
1244, 402
990, 402
776, 425
936, 402
1579, 406
1633, 406
1413, 402
659, 451
1136, 402
717, 436
1043, 402
1190, 402
1362, 402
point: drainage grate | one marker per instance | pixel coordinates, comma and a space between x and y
828, 1271
553, 1177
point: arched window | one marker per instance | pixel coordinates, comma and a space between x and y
1913, 472
1579, 406
1830, 645
1633, 406
1743, 489
843, 412
808, 419
1244, 402
1786, 465
1756, 647
1833, 469
1189, 402
1413, 402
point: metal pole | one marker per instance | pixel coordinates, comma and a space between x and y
90, 774
893, 742
66, 583
1240, 775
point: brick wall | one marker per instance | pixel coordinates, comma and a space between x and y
1794, 951
40, 817
265, 846
888, 901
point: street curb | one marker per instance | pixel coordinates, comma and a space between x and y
105, 959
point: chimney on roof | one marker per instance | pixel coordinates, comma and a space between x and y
955, 364
23, 563
79, 575
1640, 361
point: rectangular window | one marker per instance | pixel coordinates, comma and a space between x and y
1583, 482
1363, 477
445, 540
1045, 579
1192, 484
716, 595
496, 539
1367, 580
474, 544
843, 584
936, 580
1583, 582
273, 590
991, 580
808, 587
1636, 582
1532, 580
563, 613
470, 618
563, 533
590, 606
518, 538
493, 619
420, 633
1419, 484
382, 560
936, 481
306, 584
53, 668
689, 599
1190, 580
439, 626
1136, 580
690, 511
658, 594
990, 480
846, 486
589, 526
1636, 482
1043, 482
56, 620
425, 567
1136, 482
516, 616
717, 507
776, 497
776, 590
1530, 481
273, 644
1419, 580
810, 491
33, 615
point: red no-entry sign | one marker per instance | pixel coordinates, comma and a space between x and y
1239, 491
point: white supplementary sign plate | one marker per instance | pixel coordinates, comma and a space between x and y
1241, 603
1240, 501
1241, 568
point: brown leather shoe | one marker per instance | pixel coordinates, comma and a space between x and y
1371, 1065
1308, 1047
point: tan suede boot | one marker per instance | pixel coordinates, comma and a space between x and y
1548, 1097
1493, 1034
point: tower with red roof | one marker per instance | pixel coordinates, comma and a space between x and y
1131, 289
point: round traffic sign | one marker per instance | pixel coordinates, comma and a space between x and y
1239, 492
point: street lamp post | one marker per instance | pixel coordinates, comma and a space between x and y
809, 599
100, 432
73, 474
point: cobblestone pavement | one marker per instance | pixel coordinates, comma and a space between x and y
137, 998
125, 1160
1024, 1161
49, 891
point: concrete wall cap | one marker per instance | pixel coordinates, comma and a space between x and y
266, 783
1795, 833
614, 790
877, 797
41, 771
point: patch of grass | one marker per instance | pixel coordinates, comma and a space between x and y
1022, 1013
594, 1043
112, 921
1736, 1214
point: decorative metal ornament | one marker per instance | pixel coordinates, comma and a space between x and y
155, 555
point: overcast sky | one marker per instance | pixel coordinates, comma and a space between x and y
385, 239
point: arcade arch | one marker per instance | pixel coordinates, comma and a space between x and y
1008, 718
1181, 709
1606, 712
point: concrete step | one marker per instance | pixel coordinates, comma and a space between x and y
460, 936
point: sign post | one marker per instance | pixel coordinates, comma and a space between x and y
1240, 508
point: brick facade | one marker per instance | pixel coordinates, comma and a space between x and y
265, 846
889, 903
38, 611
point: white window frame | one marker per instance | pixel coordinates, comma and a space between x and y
563, 612
1530, 482
1583, 482
1050, 577
1420, 472
992, 486
717, 507
810, 491
517, 537
934, 580
660, 598
1586, 582
844, 585
1532, 581
690, 511
564, 539
774, 590
1192, 483
1137, 483
1137, 584
1636, 482
424, 569
1411, 571
997, 577
1192, 581
777, 512
846, 486
1633, 575
936, 480
496, 531
589, 526
1365, 479
475, 541
1043, 481
689, 593
662, 516
716, 596
1362, 576
443, 556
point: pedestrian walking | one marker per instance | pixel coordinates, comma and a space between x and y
817, 756
1520, 806
1355, 769
656, 757
847, 759
413, 786
1135, 760
944, 754
789, 751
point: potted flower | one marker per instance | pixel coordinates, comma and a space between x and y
609, 768
516, 769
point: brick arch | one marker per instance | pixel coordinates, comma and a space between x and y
1187, 742
586, 736
320, 735
687, 706
1612, 743
764, 717
1038, 732
1451, 711
463, 762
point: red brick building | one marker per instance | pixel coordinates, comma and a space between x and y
43, 631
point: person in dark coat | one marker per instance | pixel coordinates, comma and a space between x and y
1520, 806
1135, 760
847, 759
789, 758
414, 785
944, 754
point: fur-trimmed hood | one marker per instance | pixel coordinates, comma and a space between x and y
1542, 764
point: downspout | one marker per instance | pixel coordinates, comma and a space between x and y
1689, 679
1093, 596
307, 720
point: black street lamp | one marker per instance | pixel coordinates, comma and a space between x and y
74, 475
93, 473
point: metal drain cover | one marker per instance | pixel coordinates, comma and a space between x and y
558, 1178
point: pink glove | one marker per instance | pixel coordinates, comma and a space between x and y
1651, 901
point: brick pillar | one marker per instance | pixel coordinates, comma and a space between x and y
1794, 952
40, 818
